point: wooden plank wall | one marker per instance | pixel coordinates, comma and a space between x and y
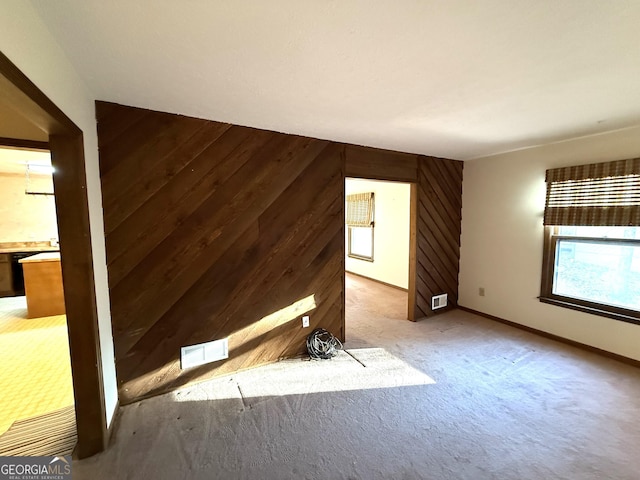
215, 231
439, 205
378, 164
439, 215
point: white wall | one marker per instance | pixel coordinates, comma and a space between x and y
502, 236
26, 218
391, 232
27, 42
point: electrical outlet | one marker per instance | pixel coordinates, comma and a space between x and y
481, 291
305, 321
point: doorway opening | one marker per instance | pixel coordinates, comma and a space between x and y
378, 253
28, 118
35, 378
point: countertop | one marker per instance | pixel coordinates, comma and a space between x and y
42, 257
16, 247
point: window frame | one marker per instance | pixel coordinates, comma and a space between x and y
355, 255
551, 239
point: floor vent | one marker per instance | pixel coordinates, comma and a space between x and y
439, 301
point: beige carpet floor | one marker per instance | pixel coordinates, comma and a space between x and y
454, 397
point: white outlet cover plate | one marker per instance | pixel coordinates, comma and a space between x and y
305, 321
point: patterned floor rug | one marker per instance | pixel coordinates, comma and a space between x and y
50, 434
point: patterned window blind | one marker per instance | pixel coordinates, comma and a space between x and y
599, 194
360, 209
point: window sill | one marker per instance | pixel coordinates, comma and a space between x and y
358, 257
593, 309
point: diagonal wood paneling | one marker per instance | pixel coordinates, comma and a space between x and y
439, 227
215, 231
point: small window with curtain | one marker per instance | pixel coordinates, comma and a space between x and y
592, 239
360, 224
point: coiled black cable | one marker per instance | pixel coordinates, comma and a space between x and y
322, 344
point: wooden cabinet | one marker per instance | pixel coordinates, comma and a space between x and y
6, 282
43, 285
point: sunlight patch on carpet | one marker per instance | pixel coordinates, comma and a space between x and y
354, 369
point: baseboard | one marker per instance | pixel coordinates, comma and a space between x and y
377, 281
551, 336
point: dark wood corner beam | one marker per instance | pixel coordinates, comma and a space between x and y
26, 144
67, 153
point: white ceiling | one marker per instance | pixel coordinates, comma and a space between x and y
454, 78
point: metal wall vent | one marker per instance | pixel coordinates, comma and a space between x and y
438, 301
195, 355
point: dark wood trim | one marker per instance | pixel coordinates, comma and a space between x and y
67, 155
377, 281
28, 144
551, 336
547, 259
24, 96
67, 152
413, 238
376, 164
620, 241
615, 313
343, 300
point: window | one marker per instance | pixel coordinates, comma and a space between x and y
592, 239
359, 220
361, 243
